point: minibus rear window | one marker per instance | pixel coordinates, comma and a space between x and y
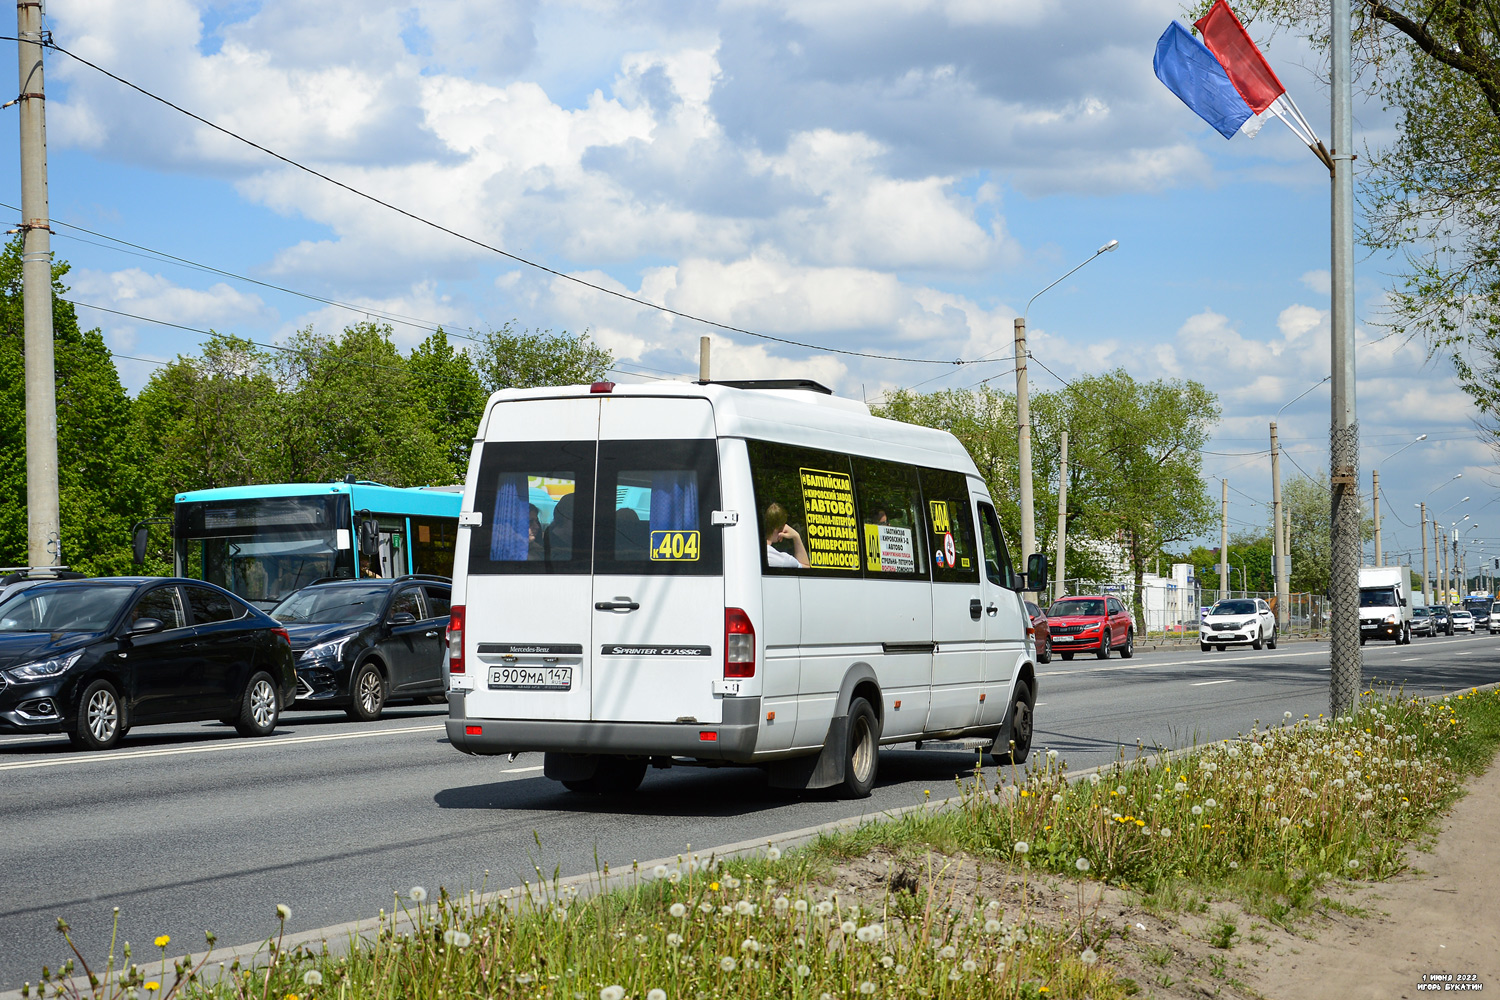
536, 499
655, 502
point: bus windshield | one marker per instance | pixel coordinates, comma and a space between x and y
265, 549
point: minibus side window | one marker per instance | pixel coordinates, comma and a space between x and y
805, 512
950, 526
536, 499
996, 559
890, 519
655, 502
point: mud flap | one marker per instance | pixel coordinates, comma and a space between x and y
570, 766
820, 770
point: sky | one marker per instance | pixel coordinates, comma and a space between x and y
893, 177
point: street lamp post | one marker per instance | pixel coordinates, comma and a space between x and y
1023, 415
1375, 479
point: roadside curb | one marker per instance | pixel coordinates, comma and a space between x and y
340, 936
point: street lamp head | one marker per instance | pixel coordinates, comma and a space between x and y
1106, 248
1422, 437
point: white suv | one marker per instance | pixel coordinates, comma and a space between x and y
1238, 621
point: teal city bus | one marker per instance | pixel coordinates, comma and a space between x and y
264, 542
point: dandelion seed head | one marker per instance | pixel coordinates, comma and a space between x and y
1022, 847
657, 994
283, 912
674, 940
660, 871
612, 993
1082, 864
727, 964
1089, 956
677, 910
417, 894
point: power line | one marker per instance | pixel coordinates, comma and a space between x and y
624, 296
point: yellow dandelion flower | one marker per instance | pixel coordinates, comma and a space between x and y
1025, 794
1140, 822
713, 887
153, 985
163, 940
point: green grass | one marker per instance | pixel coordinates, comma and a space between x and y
1264, 821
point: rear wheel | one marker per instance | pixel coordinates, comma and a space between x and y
1044, 655
100, 721
1128, 650
260, 708
1022, 725
861, 751
1103, 652
368, 693
1271, 642
612, 776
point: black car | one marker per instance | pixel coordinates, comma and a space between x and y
93, 658
1441, 620
361, 643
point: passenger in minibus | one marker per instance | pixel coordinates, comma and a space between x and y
777, 530
559, 535
534, 551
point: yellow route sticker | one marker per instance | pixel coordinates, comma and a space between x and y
940, 523
832, 536
675, 546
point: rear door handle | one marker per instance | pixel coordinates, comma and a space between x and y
975, 609
626, 605
431, 635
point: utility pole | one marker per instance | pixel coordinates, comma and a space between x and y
1375, 474
1443, 543
1343, 436
1426, 580
703, 359
43, 519
1023, 445
1224, 542
1059, 588
1278, 545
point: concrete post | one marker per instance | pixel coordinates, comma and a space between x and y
1058, 587
1023, 445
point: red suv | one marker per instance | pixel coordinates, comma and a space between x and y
1095, 623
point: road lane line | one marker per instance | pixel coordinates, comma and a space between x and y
1411, 658
212, 747
521, 770
1199, 684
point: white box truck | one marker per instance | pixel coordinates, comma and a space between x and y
1385, 603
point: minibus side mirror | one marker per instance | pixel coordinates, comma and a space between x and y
1036, 572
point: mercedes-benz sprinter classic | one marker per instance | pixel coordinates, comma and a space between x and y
755, 573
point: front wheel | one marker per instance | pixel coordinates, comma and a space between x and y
1067, 656
260, 708
1128, 650
368, 694
100, 721
1022, 725
1103, 653
1204, 647
1259, 640
861, 751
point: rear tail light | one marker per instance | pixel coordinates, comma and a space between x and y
739, 644
456, 639
283, 633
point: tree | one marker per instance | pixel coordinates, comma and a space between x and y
1306, 503
446, 383
508, 358
1429, 195
99, 459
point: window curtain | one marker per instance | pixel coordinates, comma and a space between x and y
512, 521
674, 500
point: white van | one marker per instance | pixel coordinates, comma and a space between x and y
750, 573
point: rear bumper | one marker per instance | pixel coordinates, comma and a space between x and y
733, 739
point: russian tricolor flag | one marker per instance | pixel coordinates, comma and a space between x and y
1225, 78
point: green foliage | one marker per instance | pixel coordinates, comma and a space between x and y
101, 485
521, 359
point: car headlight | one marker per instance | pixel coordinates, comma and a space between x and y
330, 650
1392, 619
42, 669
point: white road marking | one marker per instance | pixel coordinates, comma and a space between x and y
521, 770
212, 747
1199, 684
1410, 658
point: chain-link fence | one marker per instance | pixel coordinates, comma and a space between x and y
1169, 614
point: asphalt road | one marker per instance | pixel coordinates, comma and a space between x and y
189, 827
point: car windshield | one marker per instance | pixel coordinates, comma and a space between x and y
1377, 598
1233, 608
1419, 612
326, 605
1462, 614
62, 609
1077, 606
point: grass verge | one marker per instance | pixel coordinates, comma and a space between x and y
1265, 820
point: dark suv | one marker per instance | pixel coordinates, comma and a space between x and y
361, 643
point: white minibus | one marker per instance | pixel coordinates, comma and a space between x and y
756, 573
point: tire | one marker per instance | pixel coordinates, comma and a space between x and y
366, 694
1219, 648
1271, 642
1260, 640
1128, 650
260, 708
861, 751
99, 723
1361, 640
1045, 655
1022, 728
1103, 652
1204, 647
1067, 657
612, 776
